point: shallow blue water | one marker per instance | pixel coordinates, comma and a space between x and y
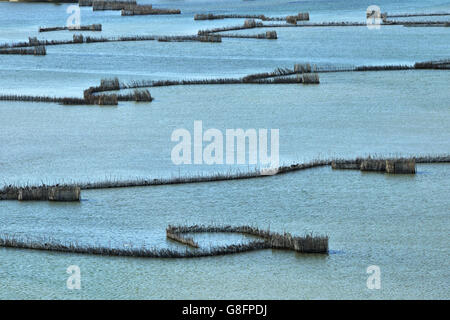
397, 222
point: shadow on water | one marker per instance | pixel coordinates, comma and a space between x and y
336, 252
401, 177
64, 204
423, 172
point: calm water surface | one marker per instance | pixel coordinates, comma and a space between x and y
400, 223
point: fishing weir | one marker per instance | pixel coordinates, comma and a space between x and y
127, 7
400, 165
308, 244
302, 73
91, 27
